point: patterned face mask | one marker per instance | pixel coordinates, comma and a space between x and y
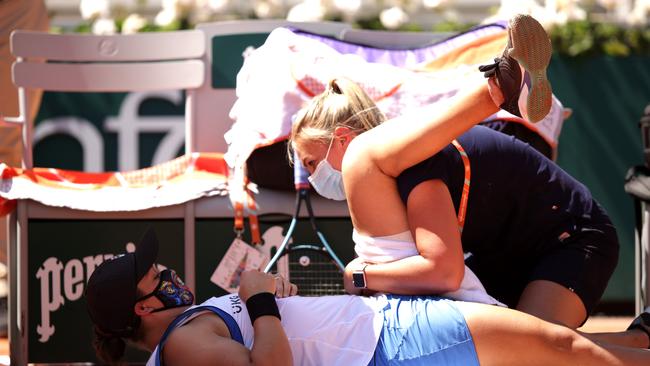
171, 291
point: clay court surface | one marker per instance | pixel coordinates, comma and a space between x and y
607, 323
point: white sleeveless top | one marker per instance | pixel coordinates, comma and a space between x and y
384, 249
327, 330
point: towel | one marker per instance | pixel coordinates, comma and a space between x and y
383, 249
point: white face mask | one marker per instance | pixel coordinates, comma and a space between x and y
326, 180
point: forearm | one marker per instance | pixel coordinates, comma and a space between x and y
271, 346
414, 275
430, 129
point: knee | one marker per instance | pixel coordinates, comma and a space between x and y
567, 341
564, 340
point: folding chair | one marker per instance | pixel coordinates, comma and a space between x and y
88, 63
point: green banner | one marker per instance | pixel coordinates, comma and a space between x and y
109, 131
602, 140
62, 255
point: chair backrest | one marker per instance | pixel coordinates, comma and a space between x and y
395, 40
116, 63
225, 43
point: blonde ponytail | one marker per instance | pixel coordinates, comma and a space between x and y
343, 103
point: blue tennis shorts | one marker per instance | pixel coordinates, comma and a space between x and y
424, 330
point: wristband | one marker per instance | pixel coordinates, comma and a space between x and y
262, 304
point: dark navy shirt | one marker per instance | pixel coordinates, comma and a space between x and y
517, 196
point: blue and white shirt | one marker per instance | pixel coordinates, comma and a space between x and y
328, 330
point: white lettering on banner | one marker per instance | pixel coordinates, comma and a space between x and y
128, 125
92, 145
73, 275
49, 302
73, 285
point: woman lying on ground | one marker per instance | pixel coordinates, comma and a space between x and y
130, 300
538, 240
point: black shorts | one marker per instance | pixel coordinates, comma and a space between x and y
583, 262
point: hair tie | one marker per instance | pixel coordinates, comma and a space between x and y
334, 86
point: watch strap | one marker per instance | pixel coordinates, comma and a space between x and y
359, 277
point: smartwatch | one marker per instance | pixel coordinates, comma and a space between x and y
359, 277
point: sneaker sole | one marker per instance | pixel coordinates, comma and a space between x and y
531, 47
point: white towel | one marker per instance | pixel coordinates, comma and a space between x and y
383, 249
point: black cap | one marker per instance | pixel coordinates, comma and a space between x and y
111, 292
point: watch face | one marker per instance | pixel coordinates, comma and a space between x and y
358, 279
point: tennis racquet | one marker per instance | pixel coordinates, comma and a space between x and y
313, 267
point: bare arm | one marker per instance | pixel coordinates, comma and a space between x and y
206, 340
376, 157
199, 344
270, 346
372, 162
439, 267
406, 140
